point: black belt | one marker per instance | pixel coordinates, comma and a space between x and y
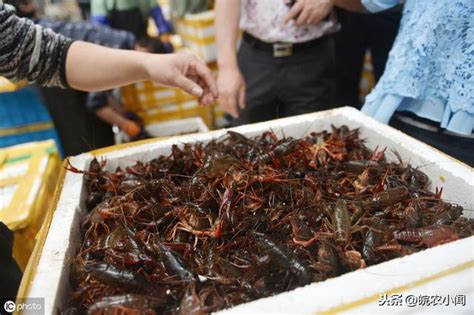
422, 123
282, 49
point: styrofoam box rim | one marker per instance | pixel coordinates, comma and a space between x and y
51, 279
169, 128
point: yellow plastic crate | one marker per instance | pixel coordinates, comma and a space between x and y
8, 86
28, 175
199, 34
178, 110
219, 117
146, 95
155, 103
367, 81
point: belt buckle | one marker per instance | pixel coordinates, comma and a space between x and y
282, 50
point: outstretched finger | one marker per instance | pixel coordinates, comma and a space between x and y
294, 12
205, 74
242, 97
189, 86
207, 98
303, 17
229, 103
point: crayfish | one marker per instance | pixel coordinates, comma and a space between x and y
216, 224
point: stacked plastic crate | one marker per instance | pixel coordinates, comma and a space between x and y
199, 34
28, 175
23, 116
367, 80
154, 103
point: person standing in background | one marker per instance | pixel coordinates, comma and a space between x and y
361, 32
285, 65
182, 7
427, 88
85, 7
130, 15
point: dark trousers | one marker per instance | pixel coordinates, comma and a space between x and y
79, 130
85, 7
457, 147
10, 273
280, 87
358, 33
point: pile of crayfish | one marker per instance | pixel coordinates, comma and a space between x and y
216, 224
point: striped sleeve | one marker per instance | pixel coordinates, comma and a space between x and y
30, 52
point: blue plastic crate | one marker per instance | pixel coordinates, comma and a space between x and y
8, 141
19, 110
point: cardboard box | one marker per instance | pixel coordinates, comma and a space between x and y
451, 263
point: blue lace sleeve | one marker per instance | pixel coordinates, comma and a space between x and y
430, 70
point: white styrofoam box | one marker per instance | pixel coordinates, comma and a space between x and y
169, 128
177, 127
442, 263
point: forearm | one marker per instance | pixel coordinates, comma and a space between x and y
110, 116
91, 67
227, 30
350, 5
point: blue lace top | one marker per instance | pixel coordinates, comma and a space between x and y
430, 70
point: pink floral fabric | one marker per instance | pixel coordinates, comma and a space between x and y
264, 20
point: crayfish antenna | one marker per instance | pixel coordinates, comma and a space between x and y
71, 168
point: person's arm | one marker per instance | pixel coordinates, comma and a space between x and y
101, 104
91, 67
231, 84
112, 117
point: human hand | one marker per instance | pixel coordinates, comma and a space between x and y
309, 11
184, 71
231, 86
